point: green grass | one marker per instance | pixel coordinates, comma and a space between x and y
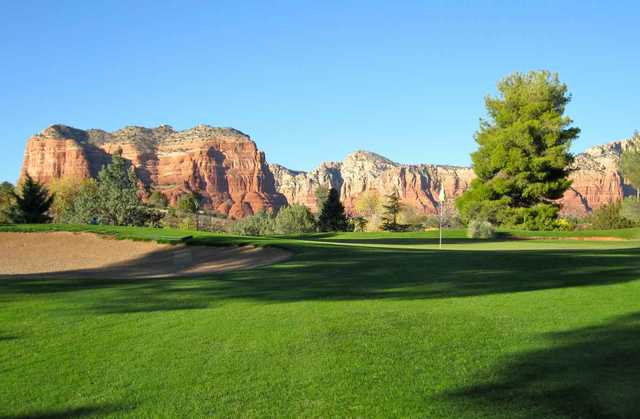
357, 325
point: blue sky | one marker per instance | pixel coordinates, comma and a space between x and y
310, 81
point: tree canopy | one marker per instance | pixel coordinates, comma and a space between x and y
523, 155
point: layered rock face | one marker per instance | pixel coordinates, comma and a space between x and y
363, 171
226, 168
222, 164
596, 179
595, 175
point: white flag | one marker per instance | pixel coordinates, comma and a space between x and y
442, 196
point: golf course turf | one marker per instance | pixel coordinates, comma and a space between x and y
352, 325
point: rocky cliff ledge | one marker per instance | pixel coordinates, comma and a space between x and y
227, 169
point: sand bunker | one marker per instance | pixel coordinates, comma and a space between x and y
78, 255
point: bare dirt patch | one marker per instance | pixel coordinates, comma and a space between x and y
63, 254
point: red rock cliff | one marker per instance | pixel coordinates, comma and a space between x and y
222, 164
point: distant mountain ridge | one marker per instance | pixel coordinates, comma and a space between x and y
225, 166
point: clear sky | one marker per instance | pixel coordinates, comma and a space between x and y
311, 81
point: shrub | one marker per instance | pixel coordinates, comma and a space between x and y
567, 223
83, 207
478, 229
295, 219
608, 217
259, 224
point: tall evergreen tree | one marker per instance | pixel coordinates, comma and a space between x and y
523, 153
630, 163
332, 216
391, 210
32, 203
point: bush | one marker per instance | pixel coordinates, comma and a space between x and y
259, 224
295, 219
608, 217
481, 230
567, 224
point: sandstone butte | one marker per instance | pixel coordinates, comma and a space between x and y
232, 175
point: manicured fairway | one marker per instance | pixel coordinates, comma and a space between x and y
357, 325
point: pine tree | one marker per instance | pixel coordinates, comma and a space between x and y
523, 155
391, 210
32, 203
332, 216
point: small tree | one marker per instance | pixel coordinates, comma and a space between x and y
630, 163
65, 191
368, 206
295, 219
118, 202
332, 216
391, 210
32, 203
83, 208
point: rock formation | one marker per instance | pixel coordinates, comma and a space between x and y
222, 164
362, 171
226, 168
596, 179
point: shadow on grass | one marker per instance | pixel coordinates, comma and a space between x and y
320, 271
587, 373
78, 412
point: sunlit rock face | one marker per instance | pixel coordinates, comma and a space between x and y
227, 169
597, 179
364, 171
222, 164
